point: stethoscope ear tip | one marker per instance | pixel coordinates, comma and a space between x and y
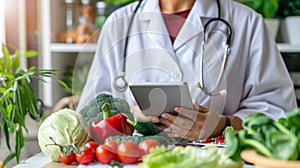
197, 84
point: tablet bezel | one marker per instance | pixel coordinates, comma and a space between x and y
177, 94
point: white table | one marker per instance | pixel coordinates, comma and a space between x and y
40, 160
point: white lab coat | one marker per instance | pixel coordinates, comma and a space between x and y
256, 78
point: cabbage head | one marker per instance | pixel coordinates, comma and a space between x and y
66, 127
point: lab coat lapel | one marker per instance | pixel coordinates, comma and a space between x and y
155, 26
193, 25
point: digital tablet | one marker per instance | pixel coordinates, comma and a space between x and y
156, 98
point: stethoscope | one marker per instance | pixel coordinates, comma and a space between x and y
120, 83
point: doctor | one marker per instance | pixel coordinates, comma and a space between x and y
163, 43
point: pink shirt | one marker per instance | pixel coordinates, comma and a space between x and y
174, 22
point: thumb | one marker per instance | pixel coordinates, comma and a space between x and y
199, 107
196, 105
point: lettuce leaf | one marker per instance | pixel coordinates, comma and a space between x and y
188, 157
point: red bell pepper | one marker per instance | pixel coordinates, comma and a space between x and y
110, 125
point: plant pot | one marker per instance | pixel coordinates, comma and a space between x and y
260, 161
290, 30
273, 26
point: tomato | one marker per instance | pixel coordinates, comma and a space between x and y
67, 159
91, 145
146, 145
208, 140
220, 139
105, 154
113, 145
85, 157
129, 152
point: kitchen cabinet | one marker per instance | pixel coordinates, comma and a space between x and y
59, 55
54, 55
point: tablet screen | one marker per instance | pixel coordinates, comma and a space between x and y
156, 98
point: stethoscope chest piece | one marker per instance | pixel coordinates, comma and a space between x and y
120, 83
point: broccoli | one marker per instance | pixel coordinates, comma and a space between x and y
92, 111
145, 127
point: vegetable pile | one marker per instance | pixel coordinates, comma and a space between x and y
63, 135
93, 110
64, 127
110, 125
274, 139
109, 153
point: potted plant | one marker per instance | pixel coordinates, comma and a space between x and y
289, 11
17, 99
268, 9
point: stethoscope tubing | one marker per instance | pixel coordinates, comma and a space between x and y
120, 83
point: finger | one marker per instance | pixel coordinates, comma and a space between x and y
155, 120
178, 129
191, 114
196, 105
139, 115
162, 127
203, 109
182, 121
172, 134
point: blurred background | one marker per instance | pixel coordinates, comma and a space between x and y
65, 32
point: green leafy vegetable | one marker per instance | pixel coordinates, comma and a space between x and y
145, 127
65, 127
188, 157
274, 139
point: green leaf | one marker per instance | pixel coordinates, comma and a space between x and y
283, 146
32, 103
259, 147
19, 143
32, 68
9, 110
7, 137
20, 102
30, 53
3, 113
7, 64
7, 75
270, 8
8, 158
232, 144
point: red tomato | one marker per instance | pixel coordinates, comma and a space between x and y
105, 154
91, 145
220, 139
129, 152
67, 159
208, 140
113, 145
146, 145
85, 157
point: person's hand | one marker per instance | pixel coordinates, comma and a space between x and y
193, 124
137, 113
